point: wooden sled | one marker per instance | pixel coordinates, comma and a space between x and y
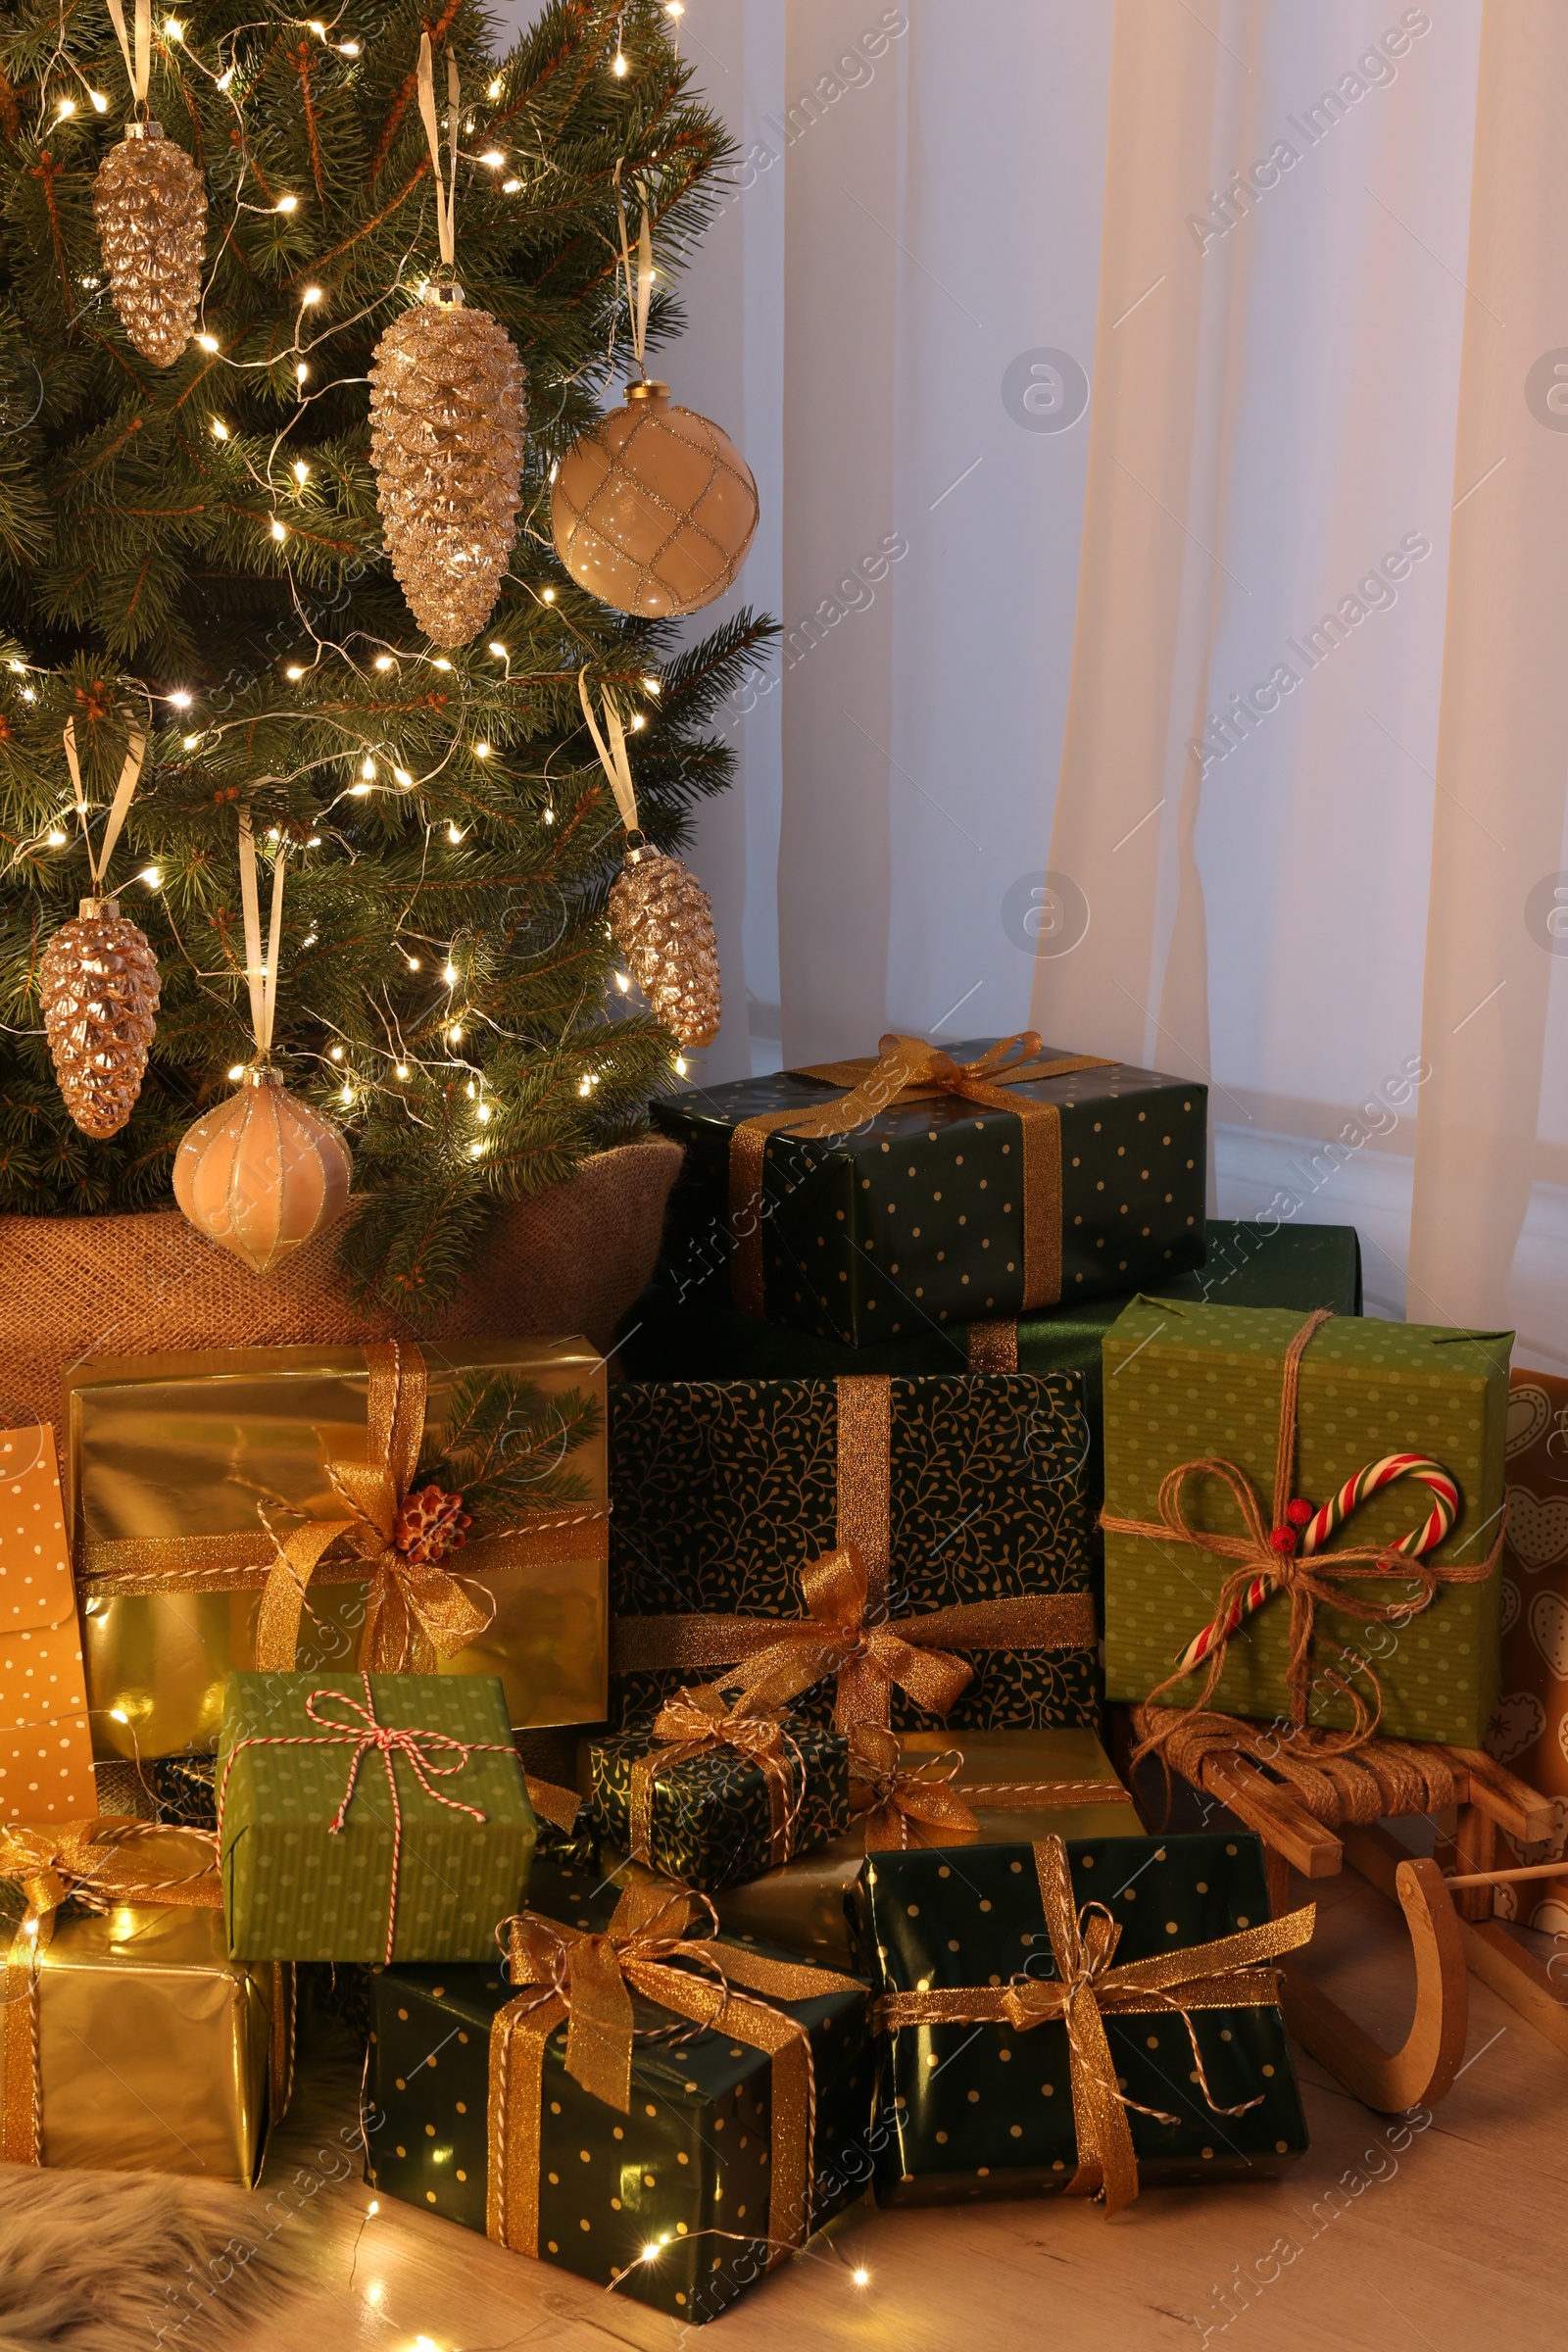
1452, 1929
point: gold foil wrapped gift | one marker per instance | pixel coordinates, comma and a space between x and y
933, 1789
192, 1477
130, 2041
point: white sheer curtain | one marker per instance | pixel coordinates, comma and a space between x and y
1217, 724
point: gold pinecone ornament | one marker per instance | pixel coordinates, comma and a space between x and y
151, 209
99, 986
446, 417
663, 920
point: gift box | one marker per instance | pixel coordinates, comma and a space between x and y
369, 1817
1529, 1728
1011, 1784
1077, 2014
45, 1747
713, 1798
183, 1468
704, 2147
131, 2041
752, 1513
1399, 1436
865, 1201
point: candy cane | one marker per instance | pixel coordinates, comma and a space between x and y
1321, 1525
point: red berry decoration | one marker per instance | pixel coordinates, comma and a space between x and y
1299, 1512
430, 1523
1283, 1540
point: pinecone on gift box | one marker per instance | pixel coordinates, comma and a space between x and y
430, 1523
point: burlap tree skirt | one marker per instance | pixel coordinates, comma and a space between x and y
568, 1261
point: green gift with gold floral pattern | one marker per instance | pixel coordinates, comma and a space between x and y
721, 1817
685, 2170
1385, 1412
369, 1817
959, 1497
982, 2106
945, 1206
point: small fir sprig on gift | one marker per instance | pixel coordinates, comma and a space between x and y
502, 1449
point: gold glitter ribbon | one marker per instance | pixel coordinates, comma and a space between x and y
1089, 1987
697, 1723
415, 1614
909, 1070
785, 1655
586, 1983
1325, 1579
893, 1799
103, 1863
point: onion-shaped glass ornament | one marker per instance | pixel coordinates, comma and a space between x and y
662, 920
151, 209
99, 986
654, 510
262, 1174
446, 417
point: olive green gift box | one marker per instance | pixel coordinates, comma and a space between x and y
686, 2170
970, 2111
915, 1218
294, 1888
1187, 1382
711, 1815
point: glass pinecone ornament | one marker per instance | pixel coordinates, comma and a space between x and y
151, 207
99, 986
262, 1174
446, 417
654, 510
662, 920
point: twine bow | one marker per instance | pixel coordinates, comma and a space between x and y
103, 1862
698, 1723
1087, 1988
587, 1981
891, 1797
419, 1750
416, 1611
1268, 1561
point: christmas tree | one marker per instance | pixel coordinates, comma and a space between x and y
195, 552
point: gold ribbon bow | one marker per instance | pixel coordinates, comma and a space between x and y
1327, 1579
698, 1723
890, 1797
415, 1613
1087, 1987
587, 1981
785, 1655
909, 1070
113, 1860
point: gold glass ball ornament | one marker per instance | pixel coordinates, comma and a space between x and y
151, 209
663, 920
653, 510
261, 1173
98, 982
447, 416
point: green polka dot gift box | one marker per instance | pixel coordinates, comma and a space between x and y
993, 2085
670, 2200
1398, 1437
951, 1512
1007, 1194
369, 1817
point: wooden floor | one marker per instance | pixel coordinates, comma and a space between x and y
1449, 2236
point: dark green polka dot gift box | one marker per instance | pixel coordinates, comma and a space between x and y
939, 1209
981, 2105
1185, 1384
685, 2169
435, 1840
